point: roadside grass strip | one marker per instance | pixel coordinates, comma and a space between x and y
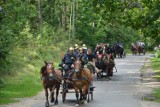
156, 94
156, 67
19, 86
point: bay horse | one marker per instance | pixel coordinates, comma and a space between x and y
109, 64
51, 79
105, 62
81, 79
134, 49
140, 47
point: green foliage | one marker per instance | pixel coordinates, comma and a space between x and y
23, 49
157, 54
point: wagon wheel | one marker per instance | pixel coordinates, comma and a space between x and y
111, 73
124, 54
88, 99
98, 75
91, 95
144, 52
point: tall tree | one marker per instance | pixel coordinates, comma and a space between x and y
40, 16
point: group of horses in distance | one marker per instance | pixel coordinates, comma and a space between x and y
138, 48
52, 79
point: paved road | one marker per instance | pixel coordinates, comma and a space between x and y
123, 90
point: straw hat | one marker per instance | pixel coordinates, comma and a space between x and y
76, 46
71, 48
84, 46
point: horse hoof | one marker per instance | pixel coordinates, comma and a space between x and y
47, 104
85, 102
56, 103
52, 100
77, 105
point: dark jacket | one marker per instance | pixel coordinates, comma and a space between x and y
108, 50
83, 57
68, 58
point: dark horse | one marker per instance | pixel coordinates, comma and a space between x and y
118, 49
81, 79
51, 79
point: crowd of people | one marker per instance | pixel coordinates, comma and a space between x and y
85, 54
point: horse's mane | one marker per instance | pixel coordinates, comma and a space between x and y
43, 69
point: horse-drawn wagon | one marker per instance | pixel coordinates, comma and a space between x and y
78, 81
106, 64
138, 47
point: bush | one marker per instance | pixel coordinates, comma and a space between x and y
157, 54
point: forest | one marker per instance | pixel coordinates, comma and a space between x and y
32, 31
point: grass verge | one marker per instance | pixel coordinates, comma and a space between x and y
19, 86
156, 67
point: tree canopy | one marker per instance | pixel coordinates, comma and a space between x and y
28, 22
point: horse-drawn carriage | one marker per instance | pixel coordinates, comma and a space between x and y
105, 64
79, 80
118, 50
138, 47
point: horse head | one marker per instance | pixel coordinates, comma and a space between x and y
77, 65
49, 68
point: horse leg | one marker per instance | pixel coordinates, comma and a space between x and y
77, 96
52, 94
84, 93
46, 94
81, 97
57, 92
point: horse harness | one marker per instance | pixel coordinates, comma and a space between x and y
52, 76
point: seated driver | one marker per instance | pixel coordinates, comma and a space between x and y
68, 61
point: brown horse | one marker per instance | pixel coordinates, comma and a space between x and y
134, 49
109, 63
141, 49
81, 79
51, 79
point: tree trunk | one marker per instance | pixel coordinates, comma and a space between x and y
65, 17
40, 17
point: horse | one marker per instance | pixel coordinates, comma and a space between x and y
105, 62
140, 47
109, 65
118, 50
81, 79
134, 49
51, 79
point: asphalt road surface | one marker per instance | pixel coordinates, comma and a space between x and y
123, 90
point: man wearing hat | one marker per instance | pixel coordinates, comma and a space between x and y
76, 49
84, 48
83, 56
68, 60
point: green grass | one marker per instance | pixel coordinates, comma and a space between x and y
156, 67
156, 94
19, 86
23, 80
